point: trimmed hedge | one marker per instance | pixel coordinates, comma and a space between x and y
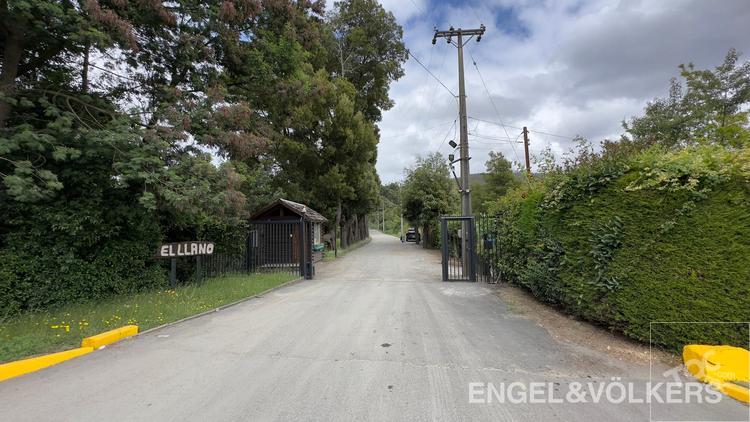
605, 243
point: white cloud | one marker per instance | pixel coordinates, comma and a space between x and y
565, 67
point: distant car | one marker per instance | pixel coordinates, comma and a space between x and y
412, 235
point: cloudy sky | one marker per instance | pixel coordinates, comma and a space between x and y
561, 67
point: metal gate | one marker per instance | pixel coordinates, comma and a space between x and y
458, 245
280, 246
488, 249
272, 246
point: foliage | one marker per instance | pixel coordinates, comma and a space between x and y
368, 51
498, 179
651, 232
428, 193
709, 108
124, 124
664, 240
390, 210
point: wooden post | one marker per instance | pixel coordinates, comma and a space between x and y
173, 273
526, 149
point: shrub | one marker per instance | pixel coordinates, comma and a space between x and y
661, 236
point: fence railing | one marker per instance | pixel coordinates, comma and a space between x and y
275, 246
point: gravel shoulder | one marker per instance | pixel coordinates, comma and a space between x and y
568, 329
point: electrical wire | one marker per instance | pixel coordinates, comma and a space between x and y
431, 74
506, 140
487, 91
448, 133
520, 128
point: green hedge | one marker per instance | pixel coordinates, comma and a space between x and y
77, 247
629, 242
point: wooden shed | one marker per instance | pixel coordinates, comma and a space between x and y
284, 229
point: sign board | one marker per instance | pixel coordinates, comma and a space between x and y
192, 248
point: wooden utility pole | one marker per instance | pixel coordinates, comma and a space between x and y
526, 150
383, 203
464, 131
401, 209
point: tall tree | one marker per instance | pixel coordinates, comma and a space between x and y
368, 50
711, 107
497, 180
499, 175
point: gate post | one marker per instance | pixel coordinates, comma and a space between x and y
302, 248
472, 250
444, 246
248, 252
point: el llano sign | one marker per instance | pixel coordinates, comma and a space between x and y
182, 249
174, 250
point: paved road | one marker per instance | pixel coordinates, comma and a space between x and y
376, 336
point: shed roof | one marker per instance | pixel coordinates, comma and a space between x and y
296, 208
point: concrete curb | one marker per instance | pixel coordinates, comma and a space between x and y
26, 366
109, 337
222, 307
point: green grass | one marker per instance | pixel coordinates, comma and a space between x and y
63, 327
329, 256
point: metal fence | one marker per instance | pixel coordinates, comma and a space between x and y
274, 246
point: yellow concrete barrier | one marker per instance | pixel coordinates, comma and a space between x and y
20, 367
720, 366
109, 337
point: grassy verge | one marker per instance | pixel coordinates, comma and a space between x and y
328, 255
64, 327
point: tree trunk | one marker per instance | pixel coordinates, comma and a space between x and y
85, 69
344, 233
426, 236
11, 59
336, 228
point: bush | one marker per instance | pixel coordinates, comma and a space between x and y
661, 236
75, 249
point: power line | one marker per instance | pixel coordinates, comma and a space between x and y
507, 140
520, 128
448, 133
431, 74
433, 89
551, 134
474, 61
424, 131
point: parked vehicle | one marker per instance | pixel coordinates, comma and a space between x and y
412, 235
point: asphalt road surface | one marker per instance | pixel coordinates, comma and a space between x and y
376, 336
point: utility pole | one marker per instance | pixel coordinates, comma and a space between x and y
526, 149
382, 201
464, 132
401, 209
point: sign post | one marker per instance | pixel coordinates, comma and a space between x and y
173, 273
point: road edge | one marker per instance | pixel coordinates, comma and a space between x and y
222, 307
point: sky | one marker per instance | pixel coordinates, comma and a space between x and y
560, 67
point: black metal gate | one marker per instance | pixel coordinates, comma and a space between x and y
458, 245
272, 246
280, 246
488, 249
